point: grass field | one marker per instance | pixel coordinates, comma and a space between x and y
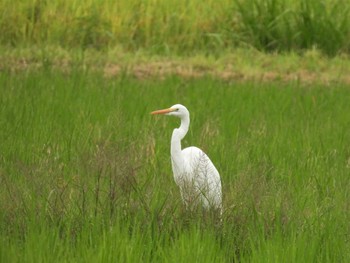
181, 27
85, 172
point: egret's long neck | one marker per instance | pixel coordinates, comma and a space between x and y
178, 135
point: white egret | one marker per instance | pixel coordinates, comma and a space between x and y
194, 173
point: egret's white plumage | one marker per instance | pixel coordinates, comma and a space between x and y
194, 173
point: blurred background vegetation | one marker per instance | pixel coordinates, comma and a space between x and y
178, 27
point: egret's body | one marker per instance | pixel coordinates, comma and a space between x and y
194, 173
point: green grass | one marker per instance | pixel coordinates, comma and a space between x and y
181, 27
311, 67
85, 170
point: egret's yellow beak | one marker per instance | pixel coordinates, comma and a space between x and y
162, 111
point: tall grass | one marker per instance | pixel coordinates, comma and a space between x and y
178, 27
284, 25
85, 172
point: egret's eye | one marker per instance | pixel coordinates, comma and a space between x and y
177, 109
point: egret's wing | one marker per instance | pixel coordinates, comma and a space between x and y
205, 177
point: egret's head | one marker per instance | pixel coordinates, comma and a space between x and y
177, 110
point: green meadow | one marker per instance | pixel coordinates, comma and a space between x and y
86, 177
181, 27
85, 172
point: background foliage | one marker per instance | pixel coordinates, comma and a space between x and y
179, 27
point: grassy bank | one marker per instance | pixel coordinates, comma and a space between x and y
85, 170
181, 27
309, 68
